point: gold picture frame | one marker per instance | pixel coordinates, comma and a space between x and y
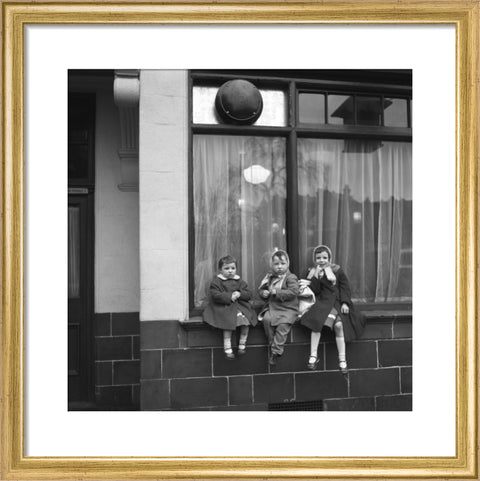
464, 15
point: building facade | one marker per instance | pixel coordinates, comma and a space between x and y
170, 170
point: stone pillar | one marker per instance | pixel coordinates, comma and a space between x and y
163, 179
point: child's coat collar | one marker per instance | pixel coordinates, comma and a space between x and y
221, 276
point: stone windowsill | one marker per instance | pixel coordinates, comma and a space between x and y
196, 322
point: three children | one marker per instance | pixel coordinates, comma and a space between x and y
229, 305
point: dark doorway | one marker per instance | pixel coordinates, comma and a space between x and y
81, 162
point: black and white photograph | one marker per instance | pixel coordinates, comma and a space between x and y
240, 240
212, 262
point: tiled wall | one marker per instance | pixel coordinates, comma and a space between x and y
183, 367
117, 360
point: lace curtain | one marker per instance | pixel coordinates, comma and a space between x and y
356, 197
239, 203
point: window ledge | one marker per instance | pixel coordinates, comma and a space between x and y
403, 314
193, 323
196, 322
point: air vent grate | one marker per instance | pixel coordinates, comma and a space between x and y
297, 406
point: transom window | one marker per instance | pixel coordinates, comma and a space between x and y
329, 163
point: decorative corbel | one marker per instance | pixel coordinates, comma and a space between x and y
126, 94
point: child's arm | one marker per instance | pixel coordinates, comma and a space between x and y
263, 288
264, 293
291, 292
245, 292
218, 295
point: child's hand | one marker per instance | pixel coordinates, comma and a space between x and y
344, 309
264, 293
235, 296
304, 283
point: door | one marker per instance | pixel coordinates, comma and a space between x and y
81, 184
80, 296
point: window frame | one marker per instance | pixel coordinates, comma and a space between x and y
293, 84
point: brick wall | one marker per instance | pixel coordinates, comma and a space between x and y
183, 368
117, 360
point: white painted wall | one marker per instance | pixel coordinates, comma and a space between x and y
117, 277
163, 194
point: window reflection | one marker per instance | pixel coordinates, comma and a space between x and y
396, 113
341, 110
311, 108
369, 111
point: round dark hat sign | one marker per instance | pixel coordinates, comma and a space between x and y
239, 102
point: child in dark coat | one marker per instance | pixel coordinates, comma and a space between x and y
280, 290
229, 306
333, 306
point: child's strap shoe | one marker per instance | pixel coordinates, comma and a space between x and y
229, 354
272, 360
313, 363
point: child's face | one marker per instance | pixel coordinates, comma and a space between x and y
321, 259
279, 265
229, 270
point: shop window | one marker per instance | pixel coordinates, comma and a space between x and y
334, 167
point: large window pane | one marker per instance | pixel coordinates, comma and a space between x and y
239, 195
356, 197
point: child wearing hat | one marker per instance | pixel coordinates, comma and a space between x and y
333, 306
280, 290
229, 306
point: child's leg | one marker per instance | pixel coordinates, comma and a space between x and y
314, 341
340, 341
280, 338
242, 343
227, 344
268, 328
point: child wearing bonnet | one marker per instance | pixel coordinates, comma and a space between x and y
279, 288
333, 306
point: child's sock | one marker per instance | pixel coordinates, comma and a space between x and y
314, 341
227, 341
242, 343
340, 341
